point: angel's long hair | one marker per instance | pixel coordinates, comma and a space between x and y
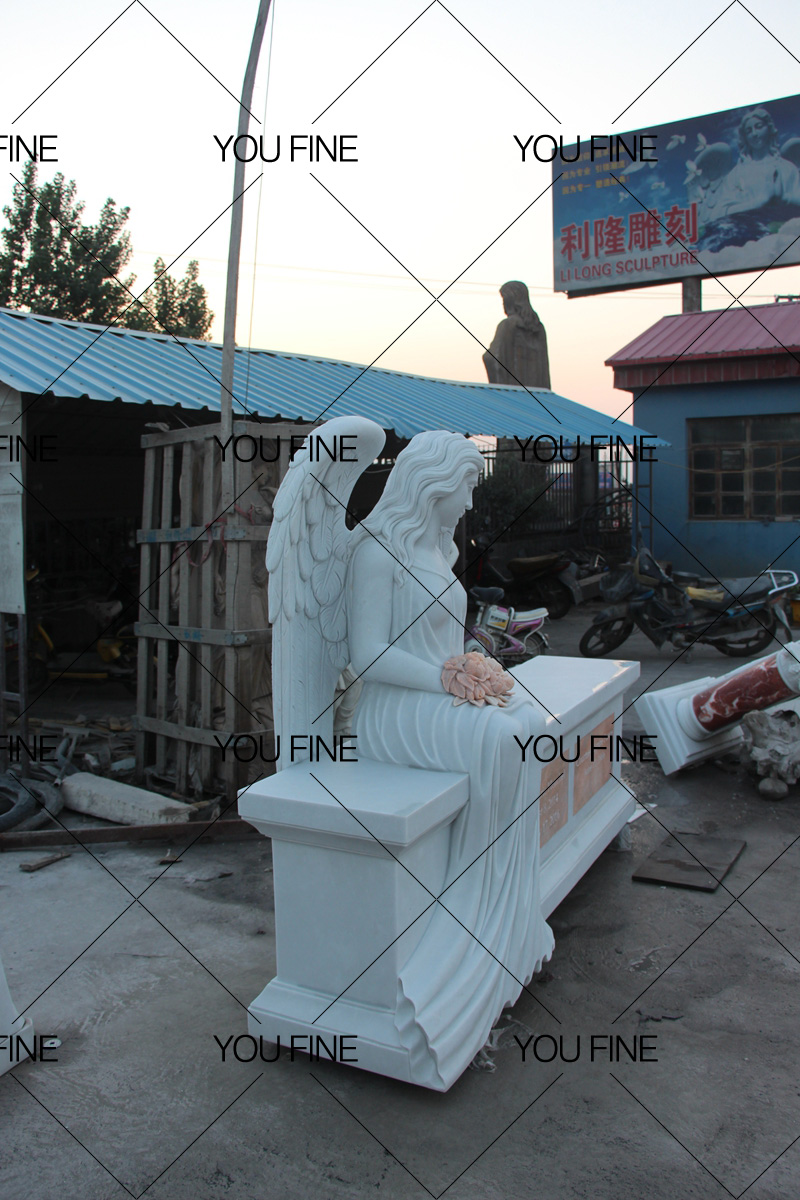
430, 467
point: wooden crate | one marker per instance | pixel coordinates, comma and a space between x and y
204, 670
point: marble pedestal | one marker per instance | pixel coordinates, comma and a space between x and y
12, 1027
701, 720
675, 748
341, 898
348, 914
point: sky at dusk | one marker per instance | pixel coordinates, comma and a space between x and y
337, 256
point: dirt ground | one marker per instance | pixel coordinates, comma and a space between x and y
142, 986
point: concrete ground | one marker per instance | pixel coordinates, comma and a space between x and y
141, 993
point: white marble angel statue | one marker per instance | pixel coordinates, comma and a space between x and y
382, 597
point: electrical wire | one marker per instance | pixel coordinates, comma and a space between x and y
541, 289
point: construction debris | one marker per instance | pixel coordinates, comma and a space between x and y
690, 860
772, 741
103, 746
88, 835
44, 862
115, 801
123, 765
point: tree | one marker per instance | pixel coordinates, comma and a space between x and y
511, 488
47, 265
53, 264
179, 307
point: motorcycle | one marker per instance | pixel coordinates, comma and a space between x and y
738, 618
510, 637
549, 580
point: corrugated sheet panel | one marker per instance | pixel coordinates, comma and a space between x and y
759, 329
68, 358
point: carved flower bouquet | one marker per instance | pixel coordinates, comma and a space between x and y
475, 679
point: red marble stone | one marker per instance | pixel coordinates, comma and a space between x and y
754, 687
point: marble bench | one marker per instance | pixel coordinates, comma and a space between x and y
360, 851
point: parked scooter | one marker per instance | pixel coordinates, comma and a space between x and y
509, 636
738, 619
549, 580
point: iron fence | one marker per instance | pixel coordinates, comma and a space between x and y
583, 505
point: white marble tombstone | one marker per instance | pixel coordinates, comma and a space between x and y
415, 863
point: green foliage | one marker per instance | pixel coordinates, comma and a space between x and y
52, 263
179, 307
509, 490
46, 269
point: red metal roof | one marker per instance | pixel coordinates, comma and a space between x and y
758, 329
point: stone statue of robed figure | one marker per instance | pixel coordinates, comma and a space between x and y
518, 351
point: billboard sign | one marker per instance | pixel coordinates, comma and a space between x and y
718, 193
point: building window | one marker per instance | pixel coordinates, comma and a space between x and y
744, 468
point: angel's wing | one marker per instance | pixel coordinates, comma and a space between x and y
307, 557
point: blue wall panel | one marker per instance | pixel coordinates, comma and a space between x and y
720, 547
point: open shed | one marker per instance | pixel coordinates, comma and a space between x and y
80, 402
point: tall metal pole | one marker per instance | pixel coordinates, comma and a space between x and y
234, 248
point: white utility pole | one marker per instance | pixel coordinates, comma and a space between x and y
234, 248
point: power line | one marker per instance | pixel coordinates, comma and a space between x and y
491, 287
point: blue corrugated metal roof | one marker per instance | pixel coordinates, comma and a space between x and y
68, 358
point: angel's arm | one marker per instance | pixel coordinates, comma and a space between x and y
370, 585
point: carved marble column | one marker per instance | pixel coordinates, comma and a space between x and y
700, 720
727, 700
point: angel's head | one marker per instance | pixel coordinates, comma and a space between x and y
432, 480
758, 135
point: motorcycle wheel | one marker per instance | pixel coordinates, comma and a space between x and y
556, 598
535, 644
472, 645
751, 641
605, 636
